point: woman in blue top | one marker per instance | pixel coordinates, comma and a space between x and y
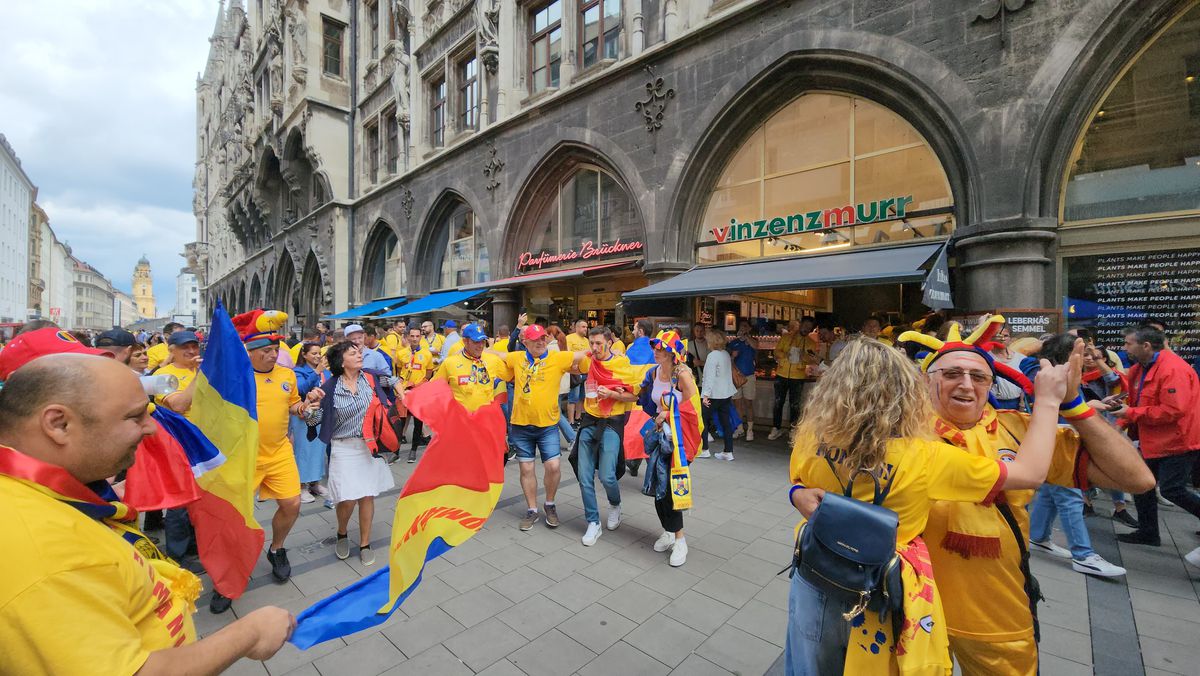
310, 455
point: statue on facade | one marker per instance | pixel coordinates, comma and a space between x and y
487, 17
298, 31
400, 87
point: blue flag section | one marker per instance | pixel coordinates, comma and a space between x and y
202, 455
226, 365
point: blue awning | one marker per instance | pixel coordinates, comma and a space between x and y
434, 301
368, 309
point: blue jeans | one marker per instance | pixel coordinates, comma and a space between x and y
817, 635
592, 448
529, 439
576, 394
177, 528
564, 426
507, 408
1068, 504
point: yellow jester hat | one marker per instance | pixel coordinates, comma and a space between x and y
976, 343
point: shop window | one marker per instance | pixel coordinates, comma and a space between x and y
599, 30
1140, 154
465, 256
545, 46
824, 172
383, 267
589, 206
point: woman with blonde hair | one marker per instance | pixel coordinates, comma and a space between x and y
717, 390
870, 414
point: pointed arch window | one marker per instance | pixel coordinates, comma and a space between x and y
464, 249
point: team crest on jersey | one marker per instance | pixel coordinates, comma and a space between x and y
1007, 455
287, 387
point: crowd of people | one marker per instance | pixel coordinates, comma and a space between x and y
976, 444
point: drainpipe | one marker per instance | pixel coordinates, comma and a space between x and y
352, 294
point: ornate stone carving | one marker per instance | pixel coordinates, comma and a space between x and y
654, 107
298, 32
400, 88
488, 20
406, 202
492, 166
990, 10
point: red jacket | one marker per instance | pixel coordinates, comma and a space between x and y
1165, 406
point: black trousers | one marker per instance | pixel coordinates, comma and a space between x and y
787, 389
1173, 473
670, 518
418, 428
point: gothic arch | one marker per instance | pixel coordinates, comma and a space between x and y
556, 163
310, 303
757, 92
381, 252
424, 277
256, 296
284, 292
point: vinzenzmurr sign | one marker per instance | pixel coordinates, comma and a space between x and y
886, 209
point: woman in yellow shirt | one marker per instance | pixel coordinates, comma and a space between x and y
871, 412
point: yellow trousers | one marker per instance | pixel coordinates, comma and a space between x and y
1005, 658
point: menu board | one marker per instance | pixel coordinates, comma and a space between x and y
1031, 321
1112, 291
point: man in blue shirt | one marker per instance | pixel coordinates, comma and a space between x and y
743, 349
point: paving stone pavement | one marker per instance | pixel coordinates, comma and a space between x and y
540, 603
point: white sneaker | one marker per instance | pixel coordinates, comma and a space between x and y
679, 552
306, 497
749, 434
704, 454
775, 433
1048, 547
593, 533
1193, 557
614, 516
664, 542
737, 434
1096, 565
319, 490
727, 457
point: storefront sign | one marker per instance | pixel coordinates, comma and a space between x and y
1031, 321
1114, 291
936, 289
588, 251
851, 214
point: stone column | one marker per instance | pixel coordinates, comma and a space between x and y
418, 137
504, 307
670, 20
511, 61
637, 33
570, 44
1009, 264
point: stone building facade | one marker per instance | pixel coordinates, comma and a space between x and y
472, 133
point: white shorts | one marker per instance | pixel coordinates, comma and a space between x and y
746, 391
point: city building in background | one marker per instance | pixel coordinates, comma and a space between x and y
580, 157
17, 194
187, 298
125, 309
93, 298
143, 288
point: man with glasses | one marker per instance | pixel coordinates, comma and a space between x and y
536, 373
431, 340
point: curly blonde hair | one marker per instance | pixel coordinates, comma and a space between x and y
871, 395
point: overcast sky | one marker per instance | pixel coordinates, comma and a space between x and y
97, 97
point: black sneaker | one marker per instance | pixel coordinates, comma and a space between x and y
280, 567
219, 604
192, 564
1137, 537
1089, 510
512, 453
1124, 517
412, 456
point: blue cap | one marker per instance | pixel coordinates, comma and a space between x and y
182, 338
473, 332
450, 324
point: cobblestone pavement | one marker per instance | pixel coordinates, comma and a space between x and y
540, 603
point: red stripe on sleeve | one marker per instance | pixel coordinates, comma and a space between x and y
998, 488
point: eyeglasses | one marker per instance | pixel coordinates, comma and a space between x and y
977, 377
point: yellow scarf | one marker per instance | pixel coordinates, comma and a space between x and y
922, 649
973, 529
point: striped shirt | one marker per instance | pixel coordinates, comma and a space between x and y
349, 408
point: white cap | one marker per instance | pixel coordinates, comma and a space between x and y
352, 328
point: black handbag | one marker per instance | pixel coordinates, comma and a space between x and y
847, 549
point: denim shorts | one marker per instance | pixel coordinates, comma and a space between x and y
575, 395
529, 439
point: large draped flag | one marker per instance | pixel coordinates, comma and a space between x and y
449, 496
225, 409
168, 462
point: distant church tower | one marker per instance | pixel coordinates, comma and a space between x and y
143, 289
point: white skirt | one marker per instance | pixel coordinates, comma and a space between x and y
354, 473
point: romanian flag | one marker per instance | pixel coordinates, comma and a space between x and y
225, 409
449, 496
684, 418
168, 462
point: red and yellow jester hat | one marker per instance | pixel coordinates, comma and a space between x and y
976, 343
257, 327
671, 342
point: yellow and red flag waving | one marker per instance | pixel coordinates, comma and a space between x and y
225, 409
449, 496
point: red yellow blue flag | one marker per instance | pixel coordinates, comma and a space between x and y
448, 498
225, 409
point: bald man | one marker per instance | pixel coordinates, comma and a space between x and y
81, 589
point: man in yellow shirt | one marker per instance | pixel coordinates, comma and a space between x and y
795, 353
82, 591
159, 354
577, 341
431, 340
414, 365
536, 374
612, 387
471, 373
979, 552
